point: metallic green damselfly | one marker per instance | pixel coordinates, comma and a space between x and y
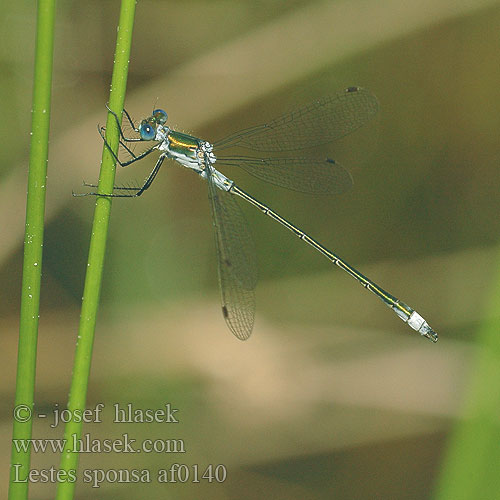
323, 121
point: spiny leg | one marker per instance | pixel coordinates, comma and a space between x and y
117, 119
121, 188
130, 121
134, 157
139, 190
127, 149
122, 144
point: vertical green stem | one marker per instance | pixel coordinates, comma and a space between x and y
472, 463
93, 278
33, 245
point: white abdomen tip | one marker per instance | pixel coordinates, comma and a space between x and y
421, 326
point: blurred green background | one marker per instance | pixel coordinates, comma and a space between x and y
333, 396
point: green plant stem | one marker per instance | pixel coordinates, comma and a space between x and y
93, 278
33, 246
471, 464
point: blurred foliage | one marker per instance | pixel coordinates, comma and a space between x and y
425, 197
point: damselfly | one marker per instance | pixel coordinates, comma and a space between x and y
321, 122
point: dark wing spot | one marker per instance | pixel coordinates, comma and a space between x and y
225, 312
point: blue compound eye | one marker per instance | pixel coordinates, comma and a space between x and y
147, 131
160, 116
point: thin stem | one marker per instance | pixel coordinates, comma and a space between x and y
471, 463
93, 278
33, 246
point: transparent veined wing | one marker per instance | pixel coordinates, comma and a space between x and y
237, 266
307, 175
320, 122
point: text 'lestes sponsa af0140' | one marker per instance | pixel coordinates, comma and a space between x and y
321, 122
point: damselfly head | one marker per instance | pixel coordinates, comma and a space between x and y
149, 126
160, 116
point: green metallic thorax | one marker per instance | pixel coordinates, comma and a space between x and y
180, 144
